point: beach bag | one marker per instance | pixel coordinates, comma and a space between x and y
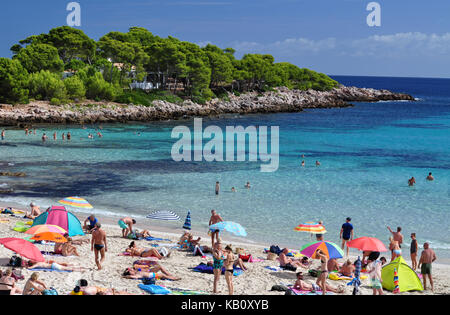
272, 256
50, 291
163, 251
149, 281
313, 273
275, 249
279, 288
15, 261
289, 292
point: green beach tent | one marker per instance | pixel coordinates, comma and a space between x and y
407, 278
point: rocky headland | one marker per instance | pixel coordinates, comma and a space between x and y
280, 100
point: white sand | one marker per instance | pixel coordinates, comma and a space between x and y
257, 280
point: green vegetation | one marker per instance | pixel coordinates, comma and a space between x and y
104, 69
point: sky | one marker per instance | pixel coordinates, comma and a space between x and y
330, 36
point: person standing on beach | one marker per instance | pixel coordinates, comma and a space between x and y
374, 267
426, 259
99, 244
413, 250
397, 235
346, 233
217, 188
215, 218
127, 226
430, 177
395, 248
322, 279
218, 260
229, 269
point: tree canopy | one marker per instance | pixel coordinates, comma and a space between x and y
105, 68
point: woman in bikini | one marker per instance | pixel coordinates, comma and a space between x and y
8, 284
322, 279
218, 260
395, 248
229, 268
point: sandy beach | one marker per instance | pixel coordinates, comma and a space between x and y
257, 280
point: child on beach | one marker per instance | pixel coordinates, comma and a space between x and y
374, 269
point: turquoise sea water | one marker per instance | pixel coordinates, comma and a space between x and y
367, 154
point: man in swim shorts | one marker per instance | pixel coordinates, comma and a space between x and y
127, 226
215, 218
99, 245
346, 233
426, 259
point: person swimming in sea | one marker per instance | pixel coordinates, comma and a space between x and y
411, 181
430, 177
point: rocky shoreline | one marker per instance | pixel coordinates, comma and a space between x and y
280, 100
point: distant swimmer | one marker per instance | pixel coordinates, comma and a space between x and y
26, 131
69, 136
303, 163
247, 185
54, 136
233, 189
3, 136
44, 137
411, 181
317, 163
217, 188
99, 134
430, 177
63, 136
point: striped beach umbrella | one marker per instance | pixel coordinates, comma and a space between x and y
187, 223
311, 227
42, 228
330, 249
76, 202
229, 226
396, 286
164, 215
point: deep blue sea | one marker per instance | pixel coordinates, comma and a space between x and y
367, 154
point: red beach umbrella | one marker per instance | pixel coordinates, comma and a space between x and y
368, 244
23, 248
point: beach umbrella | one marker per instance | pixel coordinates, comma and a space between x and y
76, 202
23, 248
311, 227
330, 249
187, 223
42, 228
229, 226
50, 237
367, 244
356, 282
164, 215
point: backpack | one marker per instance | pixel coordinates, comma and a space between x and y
275, 249
279, 288
15, 261
51, 291
313, 273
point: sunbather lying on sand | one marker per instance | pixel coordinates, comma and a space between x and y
304, 286
288, 263
131, 273
141, 252
53, 265
347, 269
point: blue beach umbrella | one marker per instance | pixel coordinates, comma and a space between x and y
229, 226
187, 223
164, 216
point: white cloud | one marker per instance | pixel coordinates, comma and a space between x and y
392, 45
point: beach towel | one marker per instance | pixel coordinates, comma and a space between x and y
154, 289
298, 292
151, 239
203, 268
338, 276
273, 268
177, 291
50, 270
